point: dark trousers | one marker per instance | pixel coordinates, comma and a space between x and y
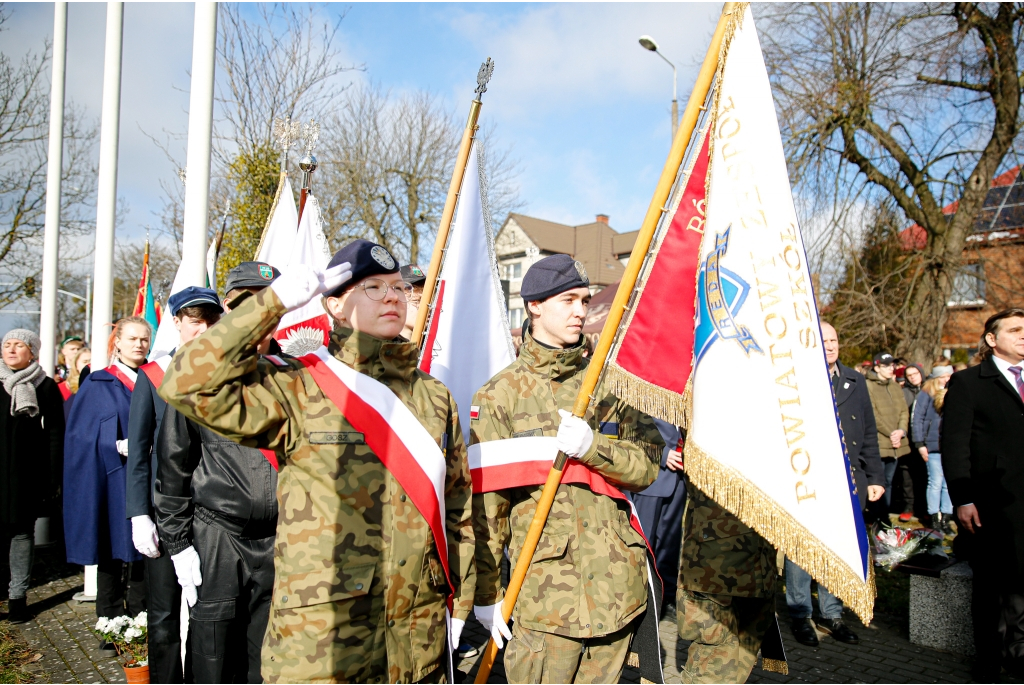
120, 588
229, 620
163, 598
998, 626
662, 521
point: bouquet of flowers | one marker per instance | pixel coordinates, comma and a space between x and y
129, 636
894, 545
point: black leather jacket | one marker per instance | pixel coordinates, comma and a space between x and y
203, 474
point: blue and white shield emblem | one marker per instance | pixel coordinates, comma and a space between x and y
720, 296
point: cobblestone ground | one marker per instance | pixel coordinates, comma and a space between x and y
70, 653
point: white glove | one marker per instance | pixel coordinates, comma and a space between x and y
144, 536
186, 567
457, 625
122, 448
302, 283
491, 619
575, 436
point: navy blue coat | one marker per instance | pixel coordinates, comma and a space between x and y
926, 423
857, 419
95, 526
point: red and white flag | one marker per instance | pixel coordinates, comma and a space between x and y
468, 340
308, 327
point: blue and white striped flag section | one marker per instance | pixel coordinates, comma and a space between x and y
764, 441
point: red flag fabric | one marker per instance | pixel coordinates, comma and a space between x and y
651, 365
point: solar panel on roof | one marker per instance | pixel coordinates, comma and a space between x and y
1003, 209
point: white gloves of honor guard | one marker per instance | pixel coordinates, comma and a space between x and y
122, 448
575, 436
302, 283
144, 536
457, 625
186, 567
491, 619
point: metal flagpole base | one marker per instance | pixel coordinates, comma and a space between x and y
89, 593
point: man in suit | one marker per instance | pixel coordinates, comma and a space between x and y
858, 423
983, 460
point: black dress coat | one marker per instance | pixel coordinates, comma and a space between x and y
857, 419
982, 447
31, 457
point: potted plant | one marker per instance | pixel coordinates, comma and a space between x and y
130, 638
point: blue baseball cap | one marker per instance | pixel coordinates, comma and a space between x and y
192, 297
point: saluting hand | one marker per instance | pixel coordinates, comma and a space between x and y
302, 283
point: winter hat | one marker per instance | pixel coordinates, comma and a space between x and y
938, 371
26, 336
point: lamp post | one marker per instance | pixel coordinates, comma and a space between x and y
648, 43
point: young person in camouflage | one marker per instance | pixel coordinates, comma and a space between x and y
587, 587
725, 602
360, 587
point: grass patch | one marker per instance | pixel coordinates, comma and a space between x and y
892, 593
14, 654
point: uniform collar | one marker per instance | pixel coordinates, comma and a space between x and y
372, 356
546, 361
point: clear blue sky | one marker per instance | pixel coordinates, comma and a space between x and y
585, 108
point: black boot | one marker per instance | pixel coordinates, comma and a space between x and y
838, 630
17, 610
937, 522
804, 633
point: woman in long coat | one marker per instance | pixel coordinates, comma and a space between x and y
31, 456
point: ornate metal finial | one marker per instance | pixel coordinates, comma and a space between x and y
484, 76
181, 174
310, 136
287, 132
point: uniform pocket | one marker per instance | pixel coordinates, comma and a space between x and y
552, 545
327, 585
215, 610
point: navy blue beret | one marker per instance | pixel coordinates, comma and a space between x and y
250, 275
192, 296
366, 258
553, 275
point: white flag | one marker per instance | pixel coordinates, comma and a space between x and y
306, 328
279, 236
765, 441
468, 339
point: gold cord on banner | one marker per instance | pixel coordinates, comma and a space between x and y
743, 499
270, 215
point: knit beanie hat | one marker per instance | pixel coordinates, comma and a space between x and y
26, 336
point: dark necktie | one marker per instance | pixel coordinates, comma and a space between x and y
835, 384
1016, 370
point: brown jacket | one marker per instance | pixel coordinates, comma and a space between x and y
891, 412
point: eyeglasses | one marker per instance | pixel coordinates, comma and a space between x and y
377, 289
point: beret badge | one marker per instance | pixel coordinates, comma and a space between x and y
381, 256
266, 272
581, 270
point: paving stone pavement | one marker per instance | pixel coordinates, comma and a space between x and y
70, 652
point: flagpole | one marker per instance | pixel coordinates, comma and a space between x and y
441, 241
611, 324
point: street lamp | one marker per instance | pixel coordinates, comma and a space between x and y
648, 43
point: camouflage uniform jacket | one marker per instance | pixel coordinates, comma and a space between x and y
352, 555
589, 573
721, 554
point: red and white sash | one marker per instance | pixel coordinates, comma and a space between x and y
119, 373
156, 369
394, 434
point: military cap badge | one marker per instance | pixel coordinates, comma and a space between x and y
581, 270
381, 256
266, 272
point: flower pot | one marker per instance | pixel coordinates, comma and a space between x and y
137, 674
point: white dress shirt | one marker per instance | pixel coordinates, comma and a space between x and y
1004, 368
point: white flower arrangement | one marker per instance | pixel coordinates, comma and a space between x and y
130, 637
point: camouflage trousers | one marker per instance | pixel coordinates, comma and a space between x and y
532, 656
726, 632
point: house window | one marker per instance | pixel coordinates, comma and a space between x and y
515, 317
513, 271
968, 286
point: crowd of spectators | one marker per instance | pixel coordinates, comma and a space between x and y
940, 441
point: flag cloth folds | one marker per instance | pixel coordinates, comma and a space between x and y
279, 234
307, 328
658, 325
764, 439
145, 305
468, 339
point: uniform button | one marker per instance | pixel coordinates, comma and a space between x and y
853, 417
402, 498
600, 626
590, 576
359, 586
588, 625
391, 623
284, 600
585, 524
705, 536
854, 442
402, 562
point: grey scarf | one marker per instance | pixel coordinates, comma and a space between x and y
21, 386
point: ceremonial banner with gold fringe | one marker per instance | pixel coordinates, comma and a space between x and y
764, 439
658, 327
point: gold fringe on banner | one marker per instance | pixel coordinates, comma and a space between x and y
749, 504
775, 666
270, 215
633, 660
644, 395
